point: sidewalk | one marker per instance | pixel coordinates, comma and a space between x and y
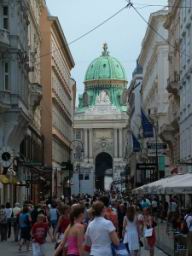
157, 253
11, 248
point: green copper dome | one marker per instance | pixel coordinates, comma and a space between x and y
105, 68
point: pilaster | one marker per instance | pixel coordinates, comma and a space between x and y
115, 143
121, 143
85, 144
90, 143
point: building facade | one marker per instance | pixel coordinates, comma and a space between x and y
100, 124
134, 128
170, 131
21, 93
14, 90
154, 60
58, 99
185, 83
31, 148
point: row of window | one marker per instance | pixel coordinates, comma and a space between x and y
59, 90
60, 153
185, 143
59, 59
6, 17
78, 135
6, 76
186, 7
186, 48
60, 123
186, 98
83, 177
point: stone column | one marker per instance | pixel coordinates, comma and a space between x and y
115, 143
90, 143
121, 143
85, 144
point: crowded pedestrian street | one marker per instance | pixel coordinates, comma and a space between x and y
96, 127
41, 229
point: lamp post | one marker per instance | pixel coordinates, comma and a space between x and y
156, 150
156, 130
78, 156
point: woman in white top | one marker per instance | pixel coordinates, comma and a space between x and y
100, 232
131, 232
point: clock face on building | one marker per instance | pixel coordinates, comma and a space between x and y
6, 157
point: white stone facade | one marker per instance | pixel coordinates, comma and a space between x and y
154, 60
14, 86
134, 106
102, 129
185, 83
170, 131
14, 90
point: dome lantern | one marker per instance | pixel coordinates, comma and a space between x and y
105, 69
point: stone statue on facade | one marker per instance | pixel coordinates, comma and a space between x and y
85, 99
103, 98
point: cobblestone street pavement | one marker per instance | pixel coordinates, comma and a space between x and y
11, 249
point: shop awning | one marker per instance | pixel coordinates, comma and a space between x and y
181, 185
14, 180
178, 184
4, 179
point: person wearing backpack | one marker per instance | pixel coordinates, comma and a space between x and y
3, 223
188, 220
25, 227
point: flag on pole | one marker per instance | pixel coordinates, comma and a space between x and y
146, 125
136, 144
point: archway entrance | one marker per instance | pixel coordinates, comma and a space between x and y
103, 171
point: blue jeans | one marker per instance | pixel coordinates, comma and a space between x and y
53, 224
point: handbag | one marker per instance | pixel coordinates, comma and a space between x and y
120, 250
148, 232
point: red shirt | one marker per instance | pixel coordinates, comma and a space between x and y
112, 216
64, 223
39, 232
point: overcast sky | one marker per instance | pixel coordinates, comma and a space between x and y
124, 33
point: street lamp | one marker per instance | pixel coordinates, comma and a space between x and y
78, 156
154, 119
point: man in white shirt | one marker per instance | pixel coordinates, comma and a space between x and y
16, 212
100, 232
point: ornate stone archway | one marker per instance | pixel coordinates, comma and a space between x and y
103, 162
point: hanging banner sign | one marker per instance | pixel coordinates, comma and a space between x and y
146, 166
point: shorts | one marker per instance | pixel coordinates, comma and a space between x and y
25, 234
38, 249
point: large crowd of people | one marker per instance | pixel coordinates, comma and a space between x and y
103, 225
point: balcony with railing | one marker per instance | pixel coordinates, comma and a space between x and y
4, 38
173, 83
